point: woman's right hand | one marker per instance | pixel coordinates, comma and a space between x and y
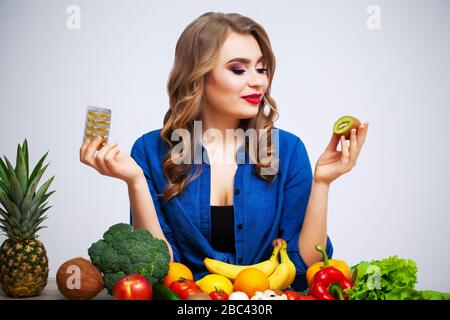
110, 161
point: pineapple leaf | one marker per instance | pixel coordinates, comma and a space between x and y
7, 232
37, 168
25, 153
41, 192
21, 170
15, 232
32, 189
4, 200
4, 214
3, 173
45, 197
37, 225
35, 210
39, 220
9, 219
25, 219
37, 214
16, 190
4, 187
37, 229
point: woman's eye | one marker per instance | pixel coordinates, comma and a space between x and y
241, 71
238, 71
263, 70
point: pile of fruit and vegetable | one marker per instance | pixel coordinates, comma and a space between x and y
133, 265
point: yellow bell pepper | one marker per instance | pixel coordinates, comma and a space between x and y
338, 264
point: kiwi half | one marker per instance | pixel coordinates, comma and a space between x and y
344, 126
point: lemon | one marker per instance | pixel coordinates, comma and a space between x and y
215, 282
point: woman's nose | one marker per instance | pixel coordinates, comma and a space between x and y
256, 79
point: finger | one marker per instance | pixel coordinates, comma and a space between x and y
362, 134
110, 157
100, 157
90, 151
353, 147
83, 149
345, 151
333, 143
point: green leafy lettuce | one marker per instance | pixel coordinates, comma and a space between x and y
393, 278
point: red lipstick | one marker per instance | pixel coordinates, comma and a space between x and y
254, 98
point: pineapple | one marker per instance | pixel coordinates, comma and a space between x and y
23, 258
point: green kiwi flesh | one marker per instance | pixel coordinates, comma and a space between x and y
344, 126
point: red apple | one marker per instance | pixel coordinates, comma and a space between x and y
133, 287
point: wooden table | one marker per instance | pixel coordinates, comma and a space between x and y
51, 292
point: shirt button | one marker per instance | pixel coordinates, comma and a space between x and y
240, 226
237, 191
240, 260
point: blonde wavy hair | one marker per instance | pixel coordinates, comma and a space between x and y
195, 55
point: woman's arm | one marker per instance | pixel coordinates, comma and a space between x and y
111, 161
331, 165
143, 210
314, 230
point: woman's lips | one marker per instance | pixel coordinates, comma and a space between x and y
253, 99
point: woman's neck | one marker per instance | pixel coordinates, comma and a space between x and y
218, 125
219, 122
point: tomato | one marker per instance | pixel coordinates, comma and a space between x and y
218, 295
182, 284
291, 295
132, 287
184, 288
186, 293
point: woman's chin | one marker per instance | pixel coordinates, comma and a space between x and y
248, 113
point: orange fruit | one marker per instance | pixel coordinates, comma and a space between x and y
251, 280
176, 271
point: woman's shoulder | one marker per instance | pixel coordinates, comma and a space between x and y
148, 139
288, 141
291, 151
146, 144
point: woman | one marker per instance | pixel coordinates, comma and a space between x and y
222, 207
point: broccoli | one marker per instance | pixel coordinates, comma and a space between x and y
124, 251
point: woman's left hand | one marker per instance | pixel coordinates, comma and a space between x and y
332, 163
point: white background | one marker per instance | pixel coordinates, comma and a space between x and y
329, 63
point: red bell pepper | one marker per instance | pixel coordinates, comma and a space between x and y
330, 283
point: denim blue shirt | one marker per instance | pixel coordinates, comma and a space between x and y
262, 211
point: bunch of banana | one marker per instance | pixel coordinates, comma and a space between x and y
280, 275
284, 273
231, 270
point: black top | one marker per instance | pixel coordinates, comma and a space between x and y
222, 228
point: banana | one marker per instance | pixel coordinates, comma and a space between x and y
293, 270
284, 274
279, 279
231, 270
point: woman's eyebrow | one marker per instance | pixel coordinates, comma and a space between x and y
245, 60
